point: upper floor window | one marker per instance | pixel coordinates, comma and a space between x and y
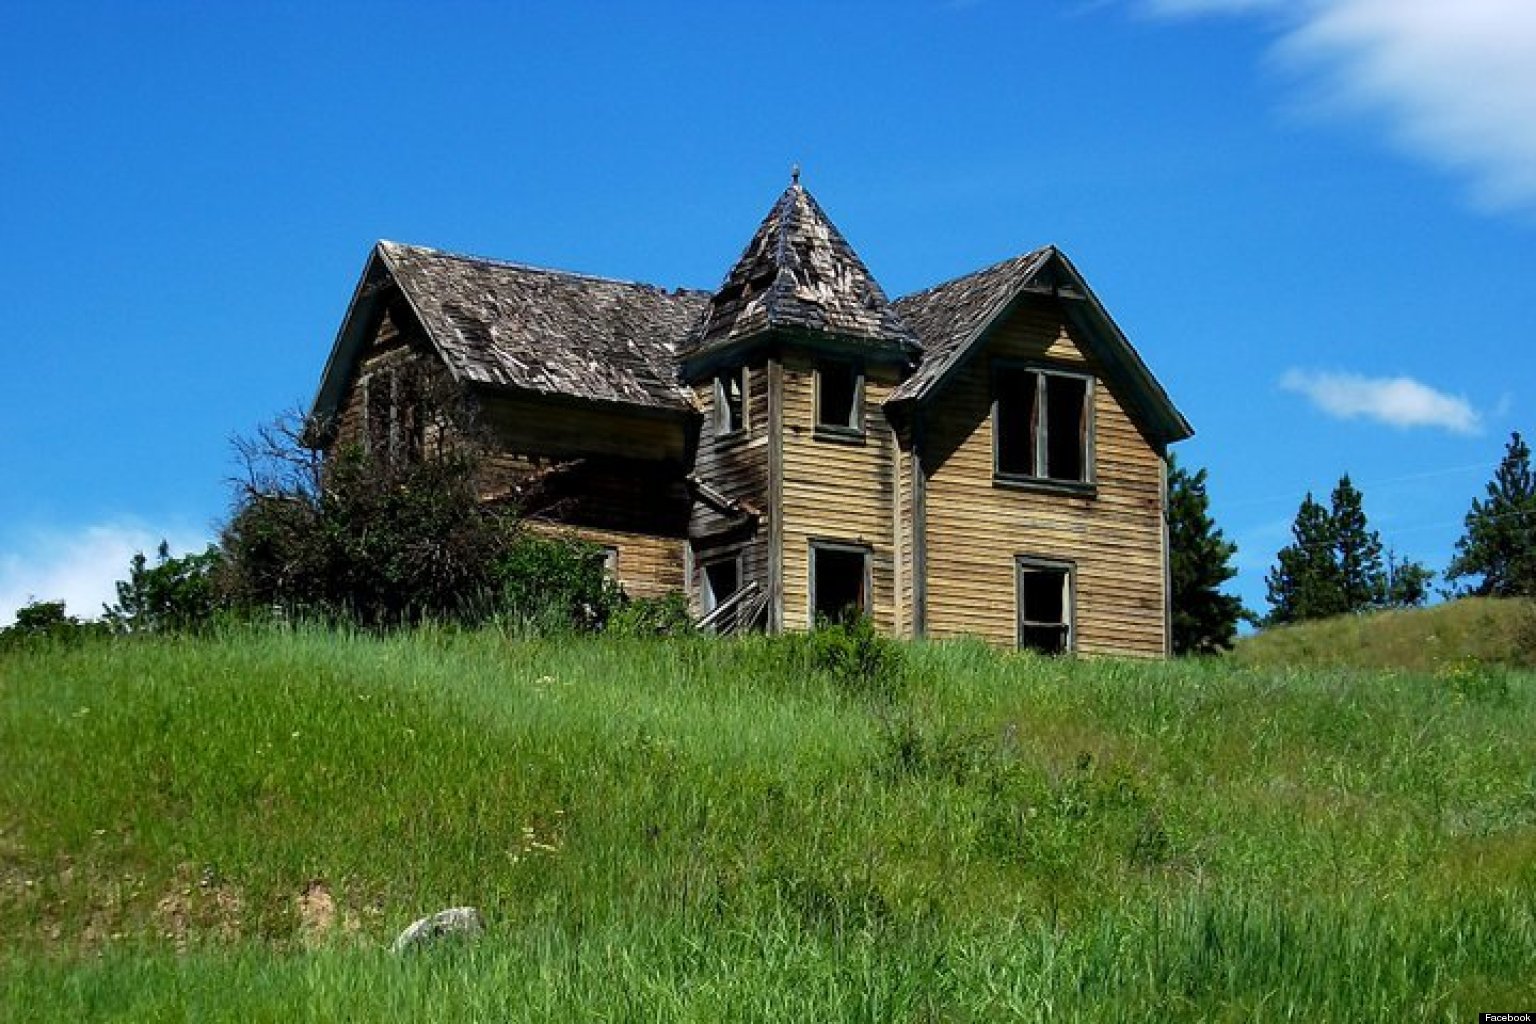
839, 398
1042, 425
394, 419
731, 401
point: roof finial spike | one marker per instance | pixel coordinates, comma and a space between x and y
794, 174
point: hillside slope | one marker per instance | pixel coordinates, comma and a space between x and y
1474, 629
234, 829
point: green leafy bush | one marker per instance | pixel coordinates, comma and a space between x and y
174, 595
652, 616
43, 623
555, 583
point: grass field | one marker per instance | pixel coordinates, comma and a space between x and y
1471, 630
235, 828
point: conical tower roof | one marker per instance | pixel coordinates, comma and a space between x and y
800, 275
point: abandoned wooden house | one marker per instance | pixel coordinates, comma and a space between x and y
983, 457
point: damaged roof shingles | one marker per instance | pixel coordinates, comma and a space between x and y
799, 273
547, 331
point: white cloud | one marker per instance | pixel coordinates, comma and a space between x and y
80, 568
1454, 80
1396, 401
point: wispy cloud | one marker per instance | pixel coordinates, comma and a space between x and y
1396, 401
79, 568
1454, 80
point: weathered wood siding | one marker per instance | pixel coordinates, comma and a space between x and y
646, 565
837, 489
975, 527
736, 465
620, 476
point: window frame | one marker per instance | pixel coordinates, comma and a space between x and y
1086, 484
842, 547
723, 428
708, 599
1027, 563
839, 431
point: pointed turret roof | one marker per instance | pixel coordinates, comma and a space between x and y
800, 274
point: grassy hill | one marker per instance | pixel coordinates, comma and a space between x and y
235, 828
1471, 630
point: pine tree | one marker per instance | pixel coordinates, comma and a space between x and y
1334, 565
1357, 548
1499, 547
1306, 582
1199, 557
1407, 582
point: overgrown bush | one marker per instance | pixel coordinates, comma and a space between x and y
857, 657
555, 583
379, 541
653, 616
174, 595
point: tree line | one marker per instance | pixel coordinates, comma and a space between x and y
1335, 563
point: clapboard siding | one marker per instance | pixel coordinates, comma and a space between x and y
836, 489
976, 527
646, 565
736, 466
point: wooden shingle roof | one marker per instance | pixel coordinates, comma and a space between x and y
513, 326
799, 274
953, 320
947, 316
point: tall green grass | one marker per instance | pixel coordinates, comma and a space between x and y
234, 828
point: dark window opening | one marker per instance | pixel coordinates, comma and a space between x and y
1045, 609
730, 401
395, 421
721, 580
839, 583
1016, 422
837, 397
1066, 427
1042, 424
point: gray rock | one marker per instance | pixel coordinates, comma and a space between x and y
456, 922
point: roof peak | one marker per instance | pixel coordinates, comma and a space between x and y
798, 273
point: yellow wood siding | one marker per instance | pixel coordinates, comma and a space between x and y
835, 489
976, 527
647, 565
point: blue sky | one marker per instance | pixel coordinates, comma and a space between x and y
1314, 218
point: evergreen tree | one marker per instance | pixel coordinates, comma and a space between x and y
1334, 564
1499, 547
1305, 582
1199, 557
1407, 582
1357, 548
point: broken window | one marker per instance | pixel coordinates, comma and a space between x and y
839, 582
839, 398
394, 417
722, 578
730, 401
1045, 606
1042, 424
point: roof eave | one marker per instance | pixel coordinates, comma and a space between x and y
1165, 423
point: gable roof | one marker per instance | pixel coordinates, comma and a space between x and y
799, 273
953, 319
527, 329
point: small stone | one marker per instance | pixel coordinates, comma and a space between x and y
457, 922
